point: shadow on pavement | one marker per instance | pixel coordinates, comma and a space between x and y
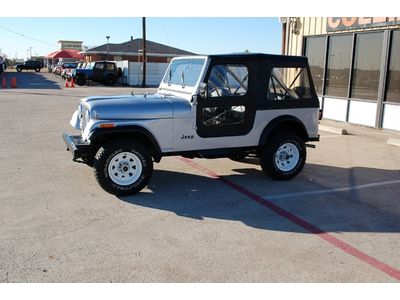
32, 80
373, 209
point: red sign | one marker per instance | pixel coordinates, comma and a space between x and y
346, 23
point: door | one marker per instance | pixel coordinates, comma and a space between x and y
228, 109
98, 71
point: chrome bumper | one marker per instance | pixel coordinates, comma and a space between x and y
76, 145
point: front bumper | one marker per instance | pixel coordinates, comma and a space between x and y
76, 146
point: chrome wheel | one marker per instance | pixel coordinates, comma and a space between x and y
125, 168
287, 157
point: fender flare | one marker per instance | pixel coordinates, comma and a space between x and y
99, 134
282, 121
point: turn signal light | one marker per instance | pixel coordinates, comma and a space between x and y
107, 125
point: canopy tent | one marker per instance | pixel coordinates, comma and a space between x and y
67, 55
70, 53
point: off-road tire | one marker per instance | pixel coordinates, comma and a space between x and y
108, 152
80, 80
37, 70
19, 69
119, 72
110, 80
268, 155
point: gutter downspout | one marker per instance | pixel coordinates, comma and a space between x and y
283, 48
287, 32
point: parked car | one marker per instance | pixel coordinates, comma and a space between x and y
206, 106
57, 68
66, 69
30, 65
71, 72
100, 71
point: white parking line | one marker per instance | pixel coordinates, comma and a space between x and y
335, 190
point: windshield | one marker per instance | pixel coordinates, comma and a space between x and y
184, 72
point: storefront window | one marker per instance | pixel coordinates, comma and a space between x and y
393, 83
339, 59
315, 51
367, 63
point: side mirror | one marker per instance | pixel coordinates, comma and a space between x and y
203, 90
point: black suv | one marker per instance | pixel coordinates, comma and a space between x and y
100, 71
30, 65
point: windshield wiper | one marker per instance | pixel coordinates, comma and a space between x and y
169, 77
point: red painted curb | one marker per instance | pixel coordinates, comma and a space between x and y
389, 270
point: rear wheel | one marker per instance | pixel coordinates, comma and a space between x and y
110, 80
37, 70
123, 168
283, 157
80, 80
19, 69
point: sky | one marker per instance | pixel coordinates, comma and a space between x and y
197, 34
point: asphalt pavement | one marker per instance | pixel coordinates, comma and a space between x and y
198, 220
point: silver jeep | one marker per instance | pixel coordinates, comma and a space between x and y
214, 106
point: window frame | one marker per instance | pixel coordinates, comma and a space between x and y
350, 96
350, 65
299, 72
387, 70
207, 78
326, 46
311, 102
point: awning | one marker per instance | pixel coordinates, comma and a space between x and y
70, 53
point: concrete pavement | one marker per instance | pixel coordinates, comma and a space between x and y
195, 222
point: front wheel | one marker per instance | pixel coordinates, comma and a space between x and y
19, 69
283, 157
80, 80
110, 80
123, 168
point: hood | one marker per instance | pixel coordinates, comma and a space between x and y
149, 106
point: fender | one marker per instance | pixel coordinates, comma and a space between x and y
101, 134
285, 120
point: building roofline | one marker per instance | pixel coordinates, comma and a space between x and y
131, 53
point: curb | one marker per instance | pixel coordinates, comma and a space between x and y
335, 130
394, 142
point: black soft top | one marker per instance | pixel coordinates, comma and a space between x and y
260, 57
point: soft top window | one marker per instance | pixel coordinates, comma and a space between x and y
288, 83
228, 80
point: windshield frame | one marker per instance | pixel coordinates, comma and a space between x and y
166, 87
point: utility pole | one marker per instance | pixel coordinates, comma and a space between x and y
108, 46
144, 51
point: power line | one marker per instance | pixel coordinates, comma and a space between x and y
25, 36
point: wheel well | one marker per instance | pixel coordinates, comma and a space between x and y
146, 141
293, 125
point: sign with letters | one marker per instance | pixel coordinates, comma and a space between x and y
76, 45
348, 23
